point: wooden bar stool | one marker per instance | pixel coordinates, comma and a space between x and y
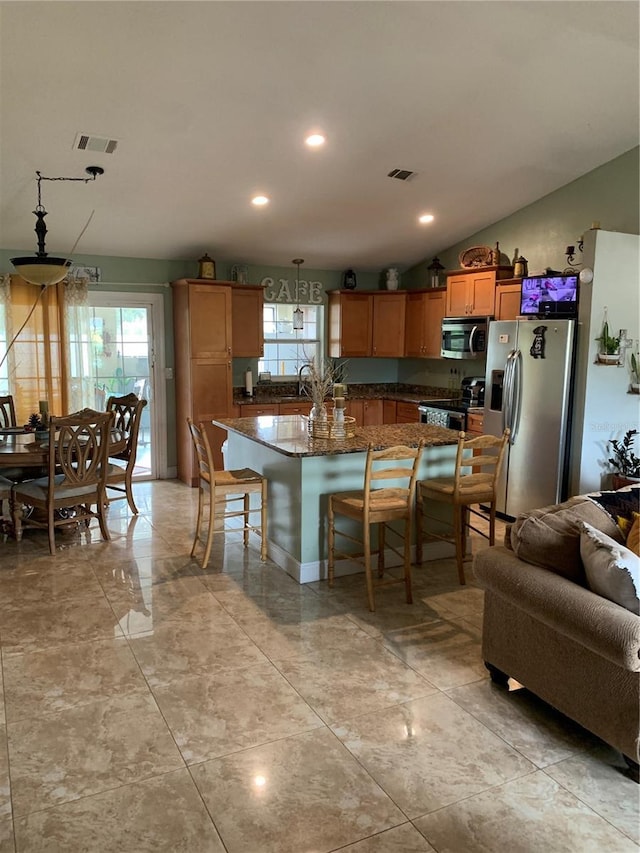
378, 505
223, 488
462, 490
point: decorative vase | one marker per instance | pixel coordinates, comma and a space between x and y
318, 412
608, 358
392, 279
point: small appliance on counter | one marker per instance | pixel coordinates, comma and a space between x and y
452, 414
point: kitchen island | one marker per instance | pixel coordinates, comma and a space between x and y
302, 472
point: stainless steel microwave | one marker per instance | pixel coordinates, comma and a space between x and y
464, 337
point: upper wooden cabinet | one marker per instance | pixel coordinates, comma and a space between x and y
472, 292
424, 312
366, 324
508, 299
247, 323
202, 316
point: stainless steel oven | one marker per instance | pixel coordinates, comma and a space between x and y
444, 413
464, 337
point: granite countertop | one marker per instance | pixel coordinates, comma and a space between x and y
288, 435
287, 393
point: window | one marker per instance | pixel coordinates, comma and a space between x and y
286, 350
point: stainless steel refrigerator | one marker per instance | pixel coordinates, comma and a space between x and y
529, 389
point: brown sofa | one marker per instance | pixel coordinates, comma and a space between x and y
542, 626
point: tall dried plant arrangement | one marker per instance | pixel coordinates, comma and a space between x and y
317, 385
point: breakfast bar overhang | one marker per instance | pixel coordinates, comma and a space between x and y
303, 471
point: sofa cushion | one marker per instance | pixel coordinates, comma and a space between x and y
622, 505
612, 570
550, 537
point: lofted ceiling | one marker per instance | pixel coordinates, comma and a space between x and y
492, 104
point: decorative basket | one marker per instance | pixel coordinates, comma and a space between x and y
330, 429
476, 256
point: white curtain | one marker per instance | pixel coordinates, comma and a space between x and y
7, 365
81, 377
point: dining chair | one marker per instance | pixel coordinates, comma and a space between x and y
225, 488
483, 455
127, 412
7, 412
78, 454
378, 504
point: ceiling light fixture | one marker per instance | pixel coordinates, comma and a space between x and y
315, 140
259, 200
40, 269
298, 316
426, 218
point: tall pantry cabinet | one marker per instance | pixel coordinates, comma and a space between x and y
204, 386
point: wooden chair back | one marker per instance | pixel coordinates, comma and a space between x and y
383, 499
127, 412
204, 456
7, 412
478, 473
79, 451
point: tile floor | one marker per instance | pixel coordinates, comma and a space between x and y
147, 705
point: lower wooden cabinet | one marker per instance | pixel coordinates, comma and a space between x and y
256, 410
475, 424
295, 408
372, 412
389, 412
407, 413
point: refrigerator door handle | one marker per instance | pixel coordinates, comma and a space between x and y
516, 395
471, 337
507, 408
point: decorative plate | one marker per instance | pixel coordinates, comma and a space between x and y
476, 256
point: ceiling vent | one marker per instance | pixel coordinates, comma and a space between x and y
401, 174
86, 142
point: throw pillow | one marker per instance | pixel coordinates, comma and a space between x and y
550, 537
612, 570
633, 539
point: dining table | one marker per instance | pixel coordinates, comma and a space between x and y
22, 449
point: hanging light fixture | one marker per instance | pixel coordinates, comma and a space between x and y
298, 316
41, 269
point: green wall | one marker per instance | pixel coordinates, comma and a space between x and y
540, 231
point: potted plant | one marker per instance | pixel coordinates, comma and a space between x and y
609, 346
625, 463
635, 374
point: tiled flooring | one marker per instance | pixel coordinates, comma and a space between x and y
151, 706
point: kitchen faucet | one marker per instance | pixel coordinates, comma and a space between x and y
300, 381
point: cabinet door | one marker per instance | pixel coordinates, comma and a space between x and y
457, 302
210, 321
482, 293
434, 312
355, 409
350, 321
247, 327
372, 412
389, 412
407, 413
474, 424
414, 328
508, 301
388, 324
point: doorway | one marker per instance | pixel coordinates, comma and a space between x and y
127, 335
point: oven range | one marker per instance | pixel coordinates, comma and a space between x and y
453, 413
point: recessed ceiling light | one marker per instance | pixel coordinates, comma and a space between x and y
259, 200
315, 140
426, 218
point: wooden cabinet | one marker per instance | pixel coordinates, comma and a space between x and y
247, 323
366, 324
407, 413
475, 423
423, 328
372, 412
256, 410
355, 409
472, 292
302, 408
508, 299
204, 389
389, 412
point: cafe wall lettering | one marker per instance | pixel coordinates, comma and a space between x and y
283, 290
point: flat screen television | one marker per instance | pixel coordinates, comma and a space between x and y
549, 296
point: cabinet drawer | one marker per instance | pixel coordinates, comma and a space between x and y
295, 408
254, 410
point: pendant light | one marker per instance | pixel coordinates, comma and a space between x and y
298, 316
40, 269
